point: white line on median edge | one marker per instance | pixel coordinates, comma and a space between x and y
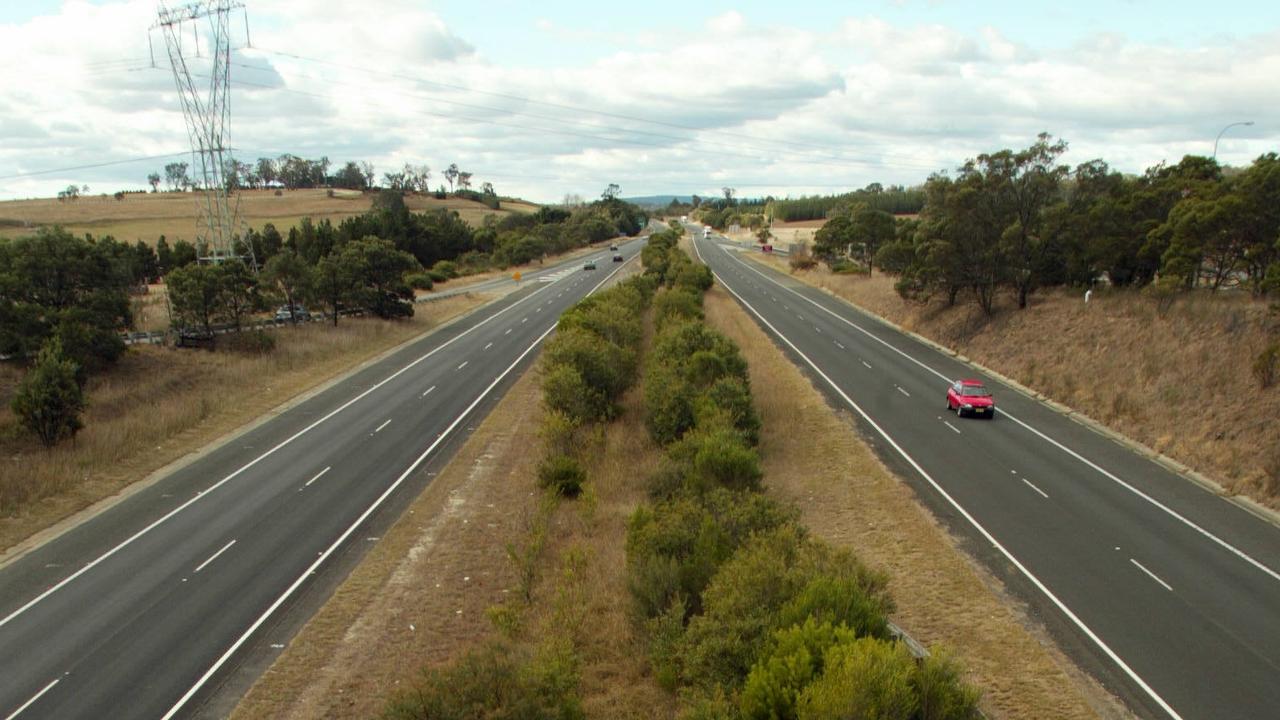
203, 493
963, 512
1102, 471
1151, 575
317, 477
213, 557
363, 516
34, 698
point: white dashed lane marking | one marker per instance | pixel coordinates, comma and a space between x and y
1033, 487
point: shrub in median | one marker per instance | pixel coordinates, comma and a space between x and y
496, 681
561, 474
744, 602
676, 546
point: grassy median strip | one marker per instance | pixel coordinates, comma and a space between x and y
546, 658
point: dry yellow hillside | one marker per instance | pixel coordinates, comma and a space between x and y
147, 216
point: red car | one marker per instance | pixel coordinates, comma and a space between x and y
971, 397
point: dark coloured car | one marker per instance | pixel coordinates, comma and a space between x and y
971, 397
194, 338
617, 257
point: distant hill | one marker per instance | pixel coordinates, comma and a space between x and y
147, 216
658, 201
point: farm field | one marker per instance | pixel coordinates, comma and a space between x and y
147, 216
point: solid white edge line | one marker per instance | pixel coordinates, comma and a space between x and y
317, 477
1151, 575
213, 557
1033, 487
363, 516
963, 512
127, 541
1104, 472
379, 428
31, 702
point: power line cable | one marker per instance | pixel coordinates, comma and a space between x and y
91, 166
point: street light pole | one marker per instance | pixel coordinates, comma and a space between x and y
1215, 140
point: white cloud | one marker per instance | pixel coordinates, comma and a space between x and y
766, 109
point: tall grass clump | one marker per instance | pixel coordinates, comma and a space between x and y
745, 614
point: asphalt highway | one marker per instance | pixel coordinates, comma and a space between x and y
139, 610
1165, 592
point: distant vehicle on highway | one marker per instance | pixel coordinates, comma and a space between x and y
298, 314
971, 397
194, 337
617, 257
614, 247
589, 265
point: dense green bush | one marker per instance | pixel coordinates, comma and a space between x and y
420, 281
447, 268
564, 391
677, 305
745, 602
717, 457
562, 474
498, 683
674, 547
668, 403
793, 658
606, 368
435, 276
728, 401
865, 678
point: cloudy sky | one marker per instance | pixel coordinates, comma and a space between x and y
544, 99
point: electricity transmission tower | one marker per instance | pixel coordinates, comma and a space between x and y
207, 112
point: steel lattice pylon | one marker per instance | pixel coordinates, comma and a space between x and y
207, 112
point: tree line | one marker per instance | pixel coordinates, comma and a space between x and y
895, 199
291, 172
64, 300
1019, 221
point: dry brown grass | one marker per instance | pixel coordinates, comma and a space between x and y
148, 216
814, 459
161, 403
1178, 382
